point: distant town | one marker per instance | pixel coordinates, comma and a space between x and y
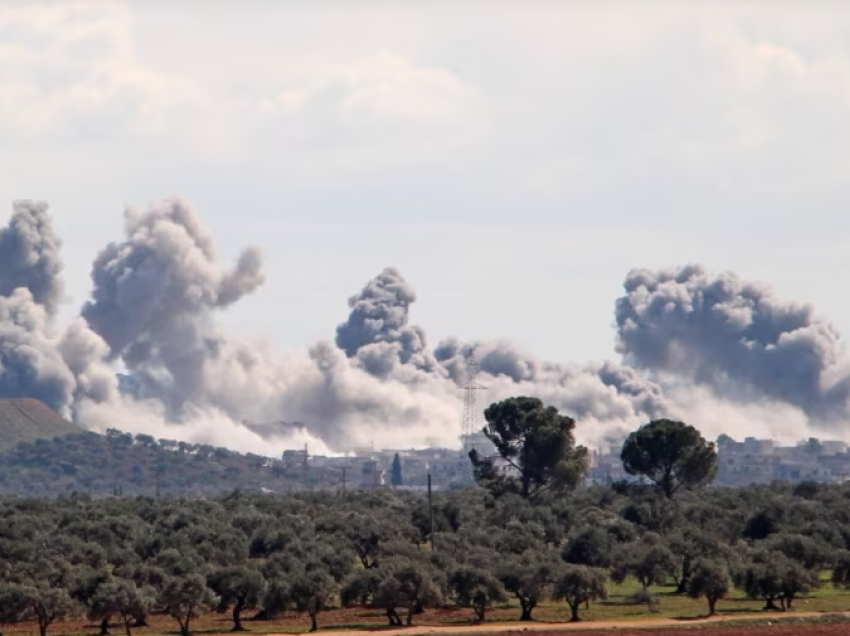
751, 461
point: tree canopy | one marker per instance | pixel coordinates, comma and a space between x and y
536, 447
673, 455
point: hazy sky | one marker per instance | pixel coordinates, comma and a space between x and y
514, 160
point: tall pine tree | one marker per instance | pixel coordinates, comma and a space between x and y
396, 478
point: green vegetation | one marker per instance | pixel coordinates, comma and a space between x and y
672, 455
537, 449
528, 545
600, 553
396, 475
27, 420
135, 465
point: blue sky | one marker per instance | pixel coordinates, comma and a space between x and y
513, 160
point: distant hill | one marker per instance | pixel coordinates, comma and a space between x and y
140, 465
26, 420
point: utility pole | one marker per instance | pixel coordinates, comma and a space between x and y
344, 468
431, 512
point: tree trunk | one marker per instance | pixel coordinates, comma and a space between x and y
140, 620
480, 609
410, 611
574, 609
184, 625
314, 626
667, 484
237, 615
104, 627
43, 620
527, 608
771, 606
788, 601
686, 576
126, 619
711, 603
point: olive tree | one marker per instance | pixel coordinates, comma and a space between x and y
579, 585
528, 578
41, 603
708, 580
476, 588
121, 597
648, 560
186, 597
237, 587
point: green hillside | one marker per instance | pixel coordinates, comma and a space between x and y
26, 420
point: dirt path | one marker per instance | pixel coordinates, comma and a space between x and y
497, 628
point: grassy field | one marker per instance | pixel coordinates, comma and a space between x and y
616, 609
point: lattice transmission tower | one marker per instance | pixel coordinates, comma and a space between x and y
469, 422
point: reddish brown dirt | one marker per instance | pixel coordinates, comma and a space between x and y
728, 630
453, 622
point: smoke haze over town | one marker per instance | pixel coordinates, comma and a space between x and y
724, 353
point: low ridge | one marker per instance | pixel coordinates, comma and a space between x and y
27, 419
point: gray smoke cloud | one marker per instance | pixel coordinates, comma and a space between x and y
377, 332
154, 294
711, 349
733, 336
61, 370
31, 364
154, 301
379, 324
30, 255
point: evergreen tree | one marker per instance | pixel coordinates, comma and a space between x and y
396, 477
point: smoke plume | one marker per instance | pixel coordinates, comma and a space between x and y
735, 337
602, 394
153, 298
30, 255
377, 333
59, 369
714, 350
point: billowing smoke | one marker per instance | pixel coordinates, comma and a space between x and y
31, 364
61, 370
154, 302
153, 299
377, 333
30, 255
602, 394
714, 350
735, 337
